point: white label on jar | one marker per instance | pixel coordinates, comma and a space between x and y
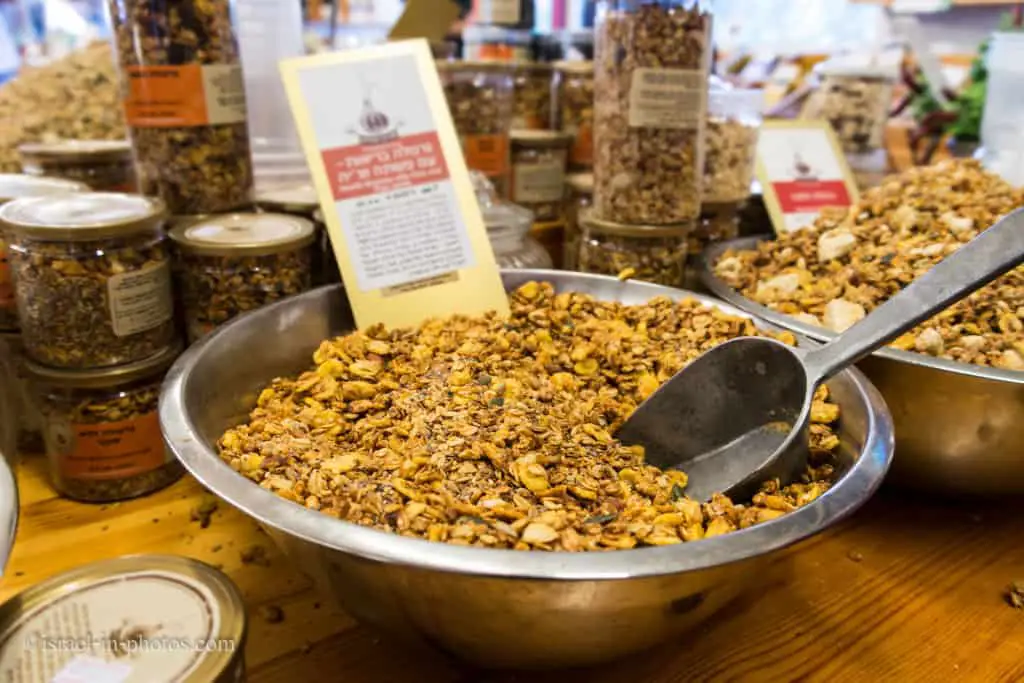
225, 93
536, 182
140, 300
667, 98
504, 12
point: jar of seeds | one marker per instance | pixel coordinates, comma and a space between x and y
730, 158
184, 102
102, 429
231, 264
574, 106
92, 278
302, 201
103, 165
856, 101
532, 96
638, 252
650, 97
480, 98
14, 186
539, 160
579, 191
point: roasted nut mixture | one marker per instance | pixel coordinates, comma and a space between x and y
634, 252
532, 96
575, 110
579, 193
103, 165
539, 159
729, 160
202, 165
857, 107
832, 273
496, 432
651, 64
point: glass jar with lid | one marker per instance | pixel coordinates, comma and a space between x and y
102, 430
301, 200
539, 159
653, 253
579, 192
91, 276
228, 265
855, 99
532, 96
574, 109
29, 429
508, 227
103, 165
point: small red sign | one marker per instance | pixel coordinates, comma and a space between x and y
372, 168
811, 196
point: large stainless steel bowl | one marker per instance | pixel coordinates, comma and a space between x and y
497, 608
959, 427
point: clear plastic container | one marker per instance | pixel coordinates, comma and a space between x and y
508, 227
103, 165
579, 194
653, 253
574, 110
92, 278
532, 94
650, 101
856, 100
539, 159
730, 156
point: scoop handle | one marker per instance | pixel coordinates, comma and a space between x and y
992, 253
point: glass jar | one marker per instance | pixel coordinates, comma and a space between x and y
228, 265
102, 429
479, 96
856, 101
508, 228
14, 186
184, 103
29, 431
730, 157
579, 191
650, 102
494, 43
10, 407
103, 165
92, 278
532, 96
551, 236
330, 273
574, 107
302, 201
539, 159
653, 253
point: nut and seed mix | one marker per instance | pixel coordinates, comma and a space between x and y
729, 160
857, 108
575, 110
833, 272
653, 254
498, 432
532, 96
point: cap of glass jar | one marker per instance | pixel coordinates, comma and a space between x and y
244, 234
580, 67
114, 375
581, 183
17, 186
85, 151
540, 138
590, 221
82, 216
296, 199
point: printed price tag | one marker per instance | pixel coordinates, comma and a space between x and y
802, 170
393, 185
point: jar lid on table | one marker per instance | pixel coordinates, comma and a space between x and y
590, 222
17, 186
82, 216
77, 151
244, 234
102, 378
301, 199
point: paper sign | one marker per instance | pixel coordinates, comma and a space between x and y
430, 19
802, 170
397, 199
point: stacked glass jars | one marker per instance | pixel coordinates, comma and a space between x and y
103, 165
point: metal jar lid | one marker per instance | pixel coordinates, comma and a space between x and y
540, 139
82, 216
589, 222
78, 151
244, 234
575, 67
581, 183
16, 186
294, 199
139, 618
153, 367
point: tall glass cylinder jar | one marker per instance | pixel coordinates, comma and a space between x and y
574, 104
650, 99
184, 102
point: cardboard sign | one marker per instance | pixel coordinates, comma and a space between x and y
396, 197
430, 19
802, 170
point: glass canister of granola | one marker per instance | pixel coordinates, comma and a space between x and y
532, 96
91, 276
856, 100
228, 265
102, 430
480, 98
14, 186
574, 109
184, 102
579, 191
650, 102
302, 201
539, 159
103, 165
653, 253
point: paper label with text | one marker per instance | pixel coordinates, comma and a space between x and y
667, 98
542, 181
140, 300
185, 96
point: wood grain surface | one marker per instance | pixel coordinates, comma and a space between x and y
909, 589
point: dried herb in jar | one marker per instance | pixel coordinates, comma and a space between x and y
636, 252
539, 159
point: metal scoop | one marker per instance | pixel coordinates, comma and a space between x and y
738, 415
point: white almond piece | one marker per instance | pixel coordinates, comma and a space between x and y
957, 223
835, 244
841, 314
973, 342
1011, 360
904, 218
807, 319
929, 341
538, 533
930, 250
780, 284
729, 265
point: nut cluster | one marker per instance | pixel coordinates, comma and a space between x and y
857, 108
495, 432
730, 155
575, 100
532, 97
832, 273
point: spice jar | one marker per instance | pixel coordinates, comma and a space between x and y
14, 186
856, 101
92, 278
574, 106
532, 96
184, 103
508, 228
479, 96
650, 98
103, 165
102, 429
302, 201
227, 265
579, 190
539, 160
638, 252
730, 158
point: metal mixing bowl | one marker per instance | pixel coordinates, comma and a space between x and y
498, 608
959, 427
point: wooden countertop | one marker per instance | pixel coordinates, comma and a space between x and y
907, 590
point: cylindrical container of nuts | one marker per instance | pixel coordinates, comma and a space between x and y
650, 99
102, 431
539, 159
301, 200
654, 253
92, 278
532, 96
103, 165
480, 98
856, 101
184, 102
228, 265
579, 191
574, 107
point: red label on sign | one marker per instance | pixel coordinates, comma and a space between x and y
372, 168
811, 196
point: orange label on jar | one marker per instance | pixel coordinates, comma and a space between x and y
111, 450
486, 153
582, 153
185, 96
